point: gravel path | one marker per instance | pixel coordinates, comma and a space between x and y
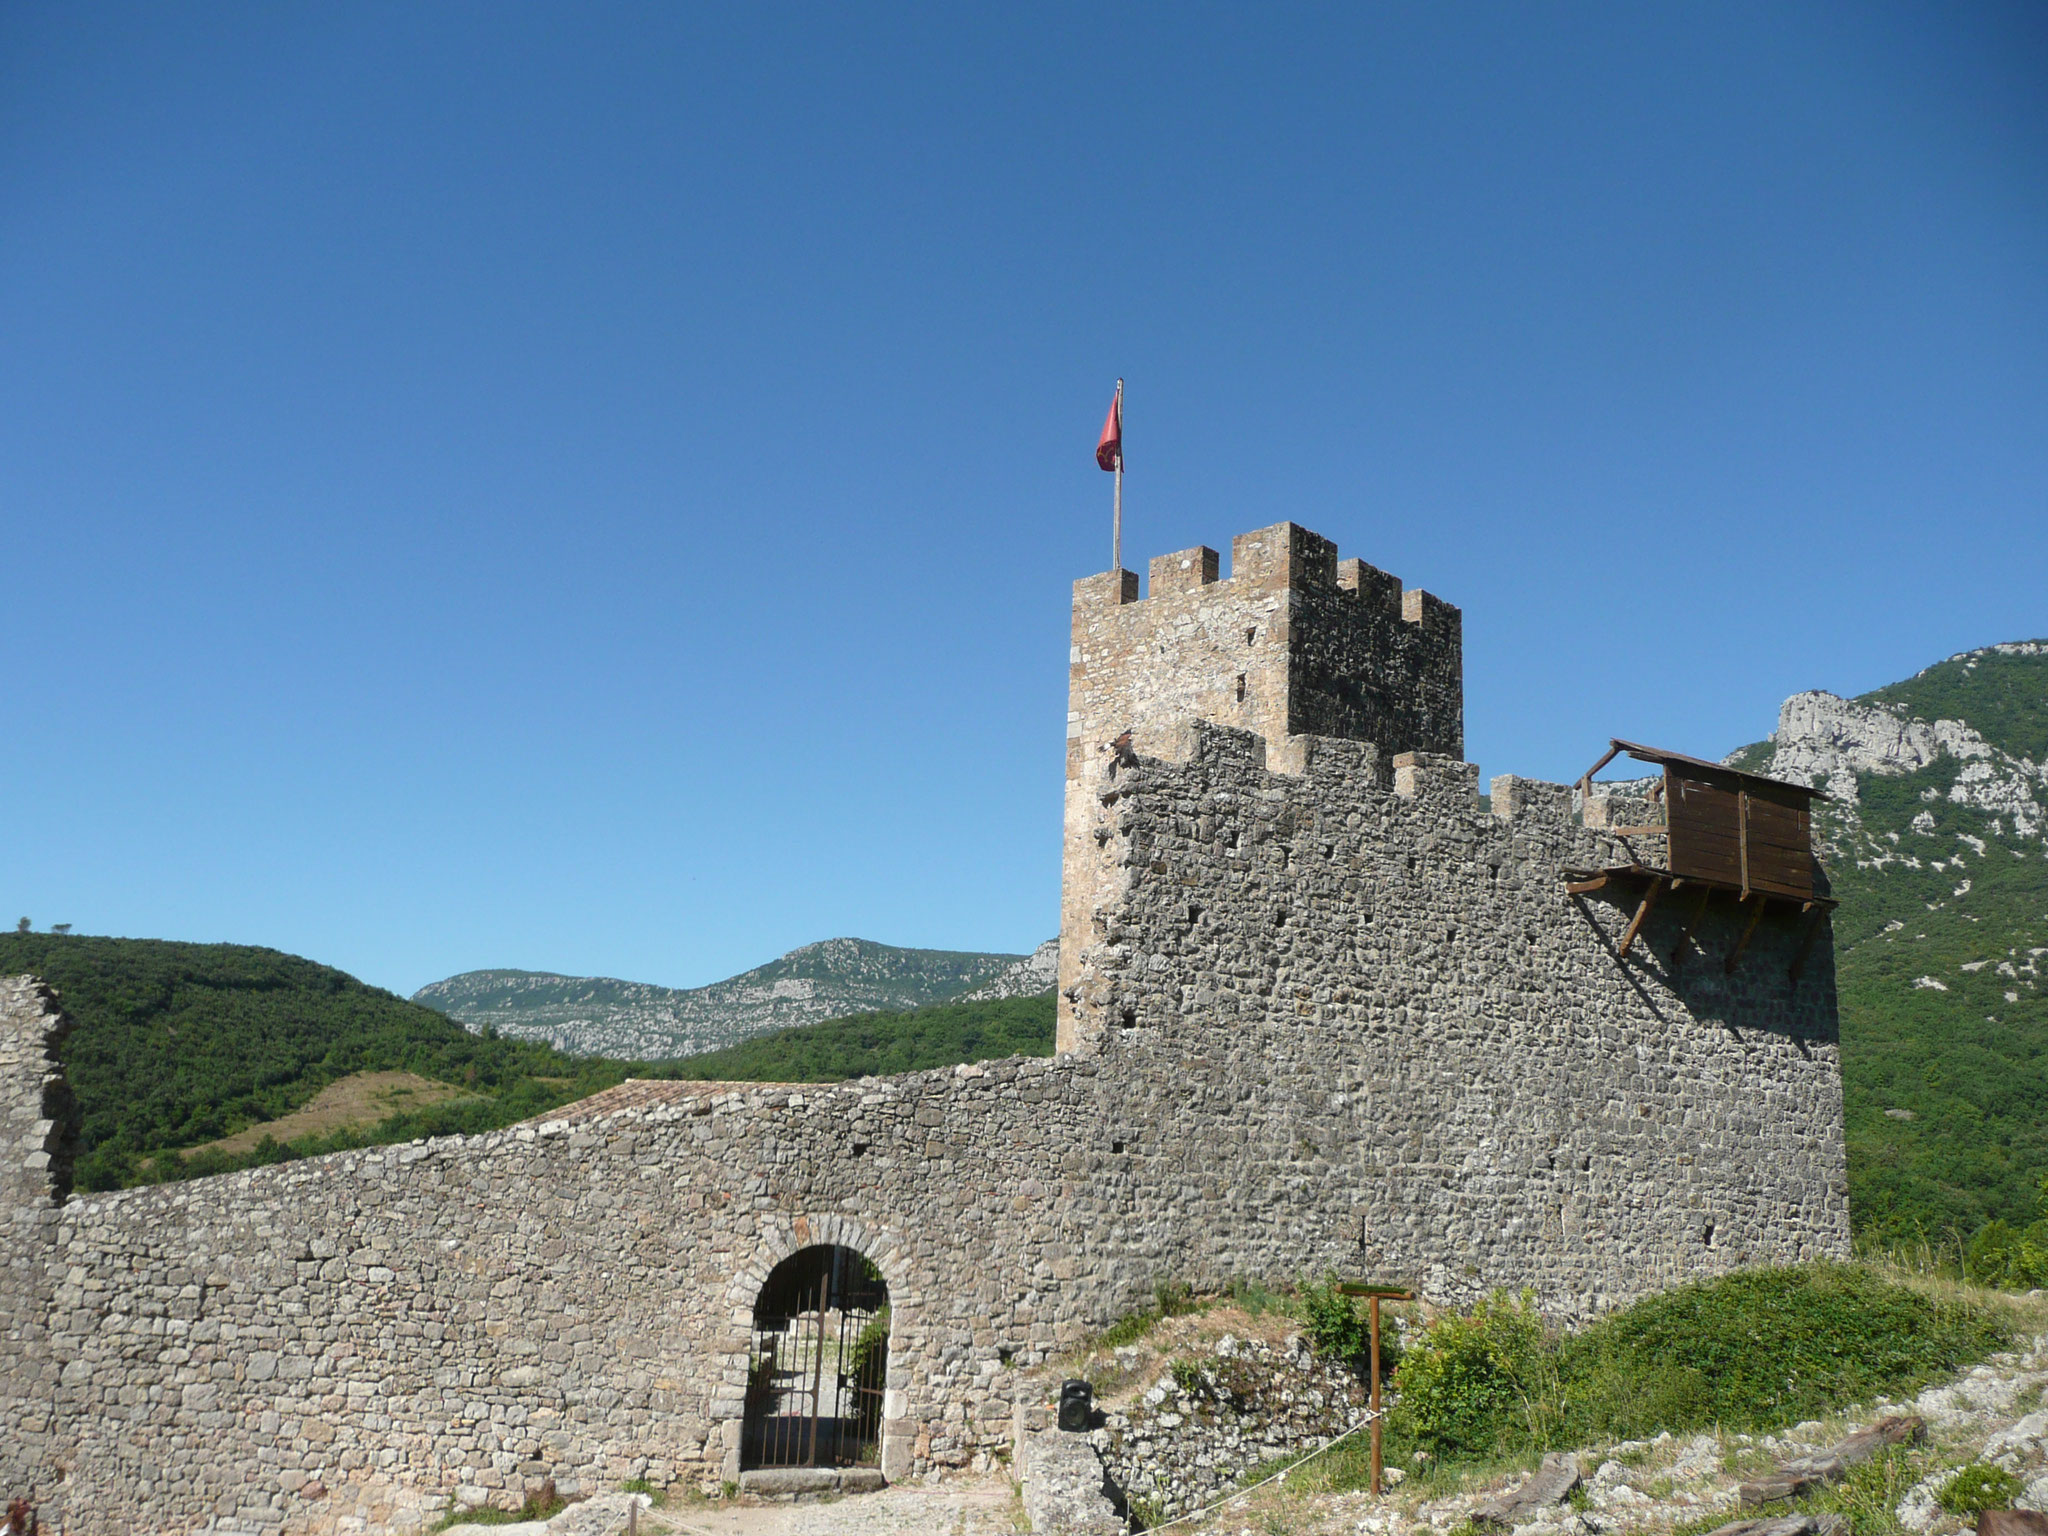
981, 1506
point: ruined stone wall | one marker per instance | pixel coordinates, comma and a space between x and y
1356, 1021
363, 1336
34, 1105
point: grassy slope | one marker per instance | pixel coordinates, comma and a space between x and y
178, 1045
1968, 1064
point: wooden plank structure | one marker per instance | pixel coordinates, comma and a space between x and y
1725, 831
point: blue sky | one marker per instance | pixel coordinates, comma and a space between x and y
596, 488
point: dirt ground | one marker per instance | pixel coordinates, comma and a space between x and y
959, 1506
362, 1098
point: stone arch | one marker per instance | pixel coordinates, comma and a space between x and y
781, 1238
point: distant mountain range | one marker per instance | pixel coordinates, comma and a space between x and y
1935, 836
600, 1016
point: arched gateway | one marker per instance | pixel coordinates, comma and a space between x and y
817, 1363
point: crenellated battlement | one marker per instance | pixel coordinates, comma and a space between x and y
1294, 643
1283, 557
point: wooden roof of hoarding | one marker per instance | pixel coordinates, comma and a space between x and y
1695, 767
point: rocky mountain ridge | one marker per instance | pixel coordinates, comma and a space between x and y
1033, 976
1935, 838
603, 1016
1829, 742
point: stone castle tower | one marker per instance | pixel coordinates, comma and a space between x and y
1294, 643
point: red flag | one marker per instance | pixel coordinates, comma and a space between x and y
1109, 453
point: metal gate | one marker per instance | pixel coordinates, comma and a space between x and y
818, 1363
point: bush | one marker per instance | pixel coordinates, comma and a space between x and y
1978, 1487
1173, 1298
1470, 1386
2010, 1258
1334, 1323
1748, 1351
1764, 1347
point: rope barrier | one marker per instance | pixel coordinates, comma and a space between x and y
1237, 1493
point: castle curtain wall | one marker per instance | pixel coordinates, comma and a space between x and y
1320, 1009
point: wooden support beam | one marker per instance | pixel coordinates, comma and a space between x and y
1756, 913
1642, 831
1585, 785
1635, 925
1742, 840
1685, 938
1815, 912
1581, 887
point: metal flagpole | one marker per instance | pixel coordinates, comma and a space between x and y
1116, 555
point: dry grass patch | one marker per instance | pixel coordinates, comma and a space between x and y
362, 1098
1119, 1372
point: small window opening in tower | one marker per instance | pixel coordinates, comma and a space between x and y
1240, 687
1250, 635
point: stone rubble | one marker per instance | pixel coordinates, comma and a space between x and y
1243, 1402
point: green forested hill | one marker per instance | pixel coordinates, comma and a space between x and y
174, 1045
1934, 842
177, 1044
877, 1044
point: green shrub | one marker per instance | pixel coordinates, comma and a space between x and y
1472, 1385
873, 1341
1978, 1487
1127, 1329
1173, 1298
2011, 1258
1336, 1326
1253, 1297
1764, 1347
1749, 1351
1187, 1376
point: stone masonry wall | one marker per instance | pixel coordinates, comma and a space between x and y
1325, 1011
1228, 1410
362, 1336
1355, 1021
33, 1108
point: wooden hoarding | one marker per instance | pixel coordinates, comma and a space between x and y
1743, 832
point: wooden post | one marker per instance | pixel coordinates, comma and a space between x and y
1376, 1396
1685, 938
1642, 915
1815, 913
1735, 955
1742, 837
